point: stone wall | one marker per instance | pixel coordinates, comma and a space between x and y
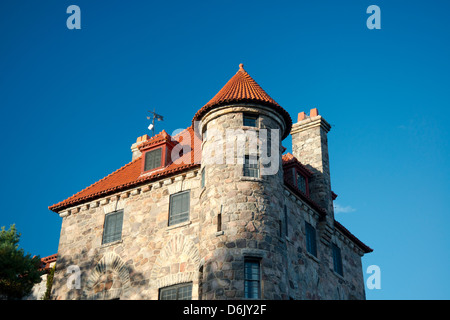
310, 277
231, 218
310, 147
150, 254
250, 209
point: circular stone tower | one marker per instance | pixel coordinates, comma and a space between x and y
242, 197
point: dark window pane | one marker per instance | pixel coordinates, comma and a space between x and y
203, 178
311, 239
337, 260
285, 221
176, 292
250, 120
179, 208
301, 183
113, 227
251, 166
252, 278
152, 159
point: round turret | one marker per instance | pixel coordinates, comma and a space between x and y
241, 201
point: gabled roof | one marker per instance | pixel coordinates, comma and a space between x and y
241, 88
130, 174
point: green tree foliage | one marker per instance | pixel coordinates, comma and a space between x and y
50, 276
18, 271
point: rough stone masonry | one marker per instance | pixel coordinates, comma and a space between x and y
240, 237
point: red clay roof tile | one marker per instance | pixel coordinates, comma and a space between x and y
130, 174
242, 88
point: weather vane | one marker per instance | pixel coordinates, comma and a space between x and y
154, 116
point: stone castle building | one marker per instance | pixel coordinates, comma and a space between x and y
194, 216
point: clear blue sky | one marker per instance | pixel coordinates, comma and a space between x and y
73, 102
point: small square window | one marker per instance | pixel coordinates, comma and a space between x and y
250, 120
179, 207
251, 166
152, 159
112, 230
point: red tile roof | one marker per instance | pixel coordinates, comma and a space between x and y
130, 174
46, 261
242, 88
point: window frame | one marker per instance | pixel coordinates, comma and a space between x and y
176, 287
247, 169
311, 239
286, 222
337, 259
172, 196
162, 159
252, 117
252, 260
203, 178
304, 182
108, 238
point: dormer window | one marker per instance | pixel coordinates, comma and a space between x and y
301, 182
156, 152
153, 159
296, 174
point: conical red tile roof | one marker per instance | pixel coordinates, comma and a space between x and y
242, 88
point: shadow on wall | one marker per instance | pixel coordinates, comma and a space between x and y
105, 277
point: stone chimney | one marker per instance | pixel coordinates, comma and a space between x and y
135, 146
310, 147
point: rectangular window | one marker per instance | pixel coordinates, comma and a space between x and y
112, 230
311, 246
179, 207
152, 159
251, 166
252, 276
280, 228
301, 182
176, 292
250, 120
337, 260
286, 222
219, 220
203, 177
